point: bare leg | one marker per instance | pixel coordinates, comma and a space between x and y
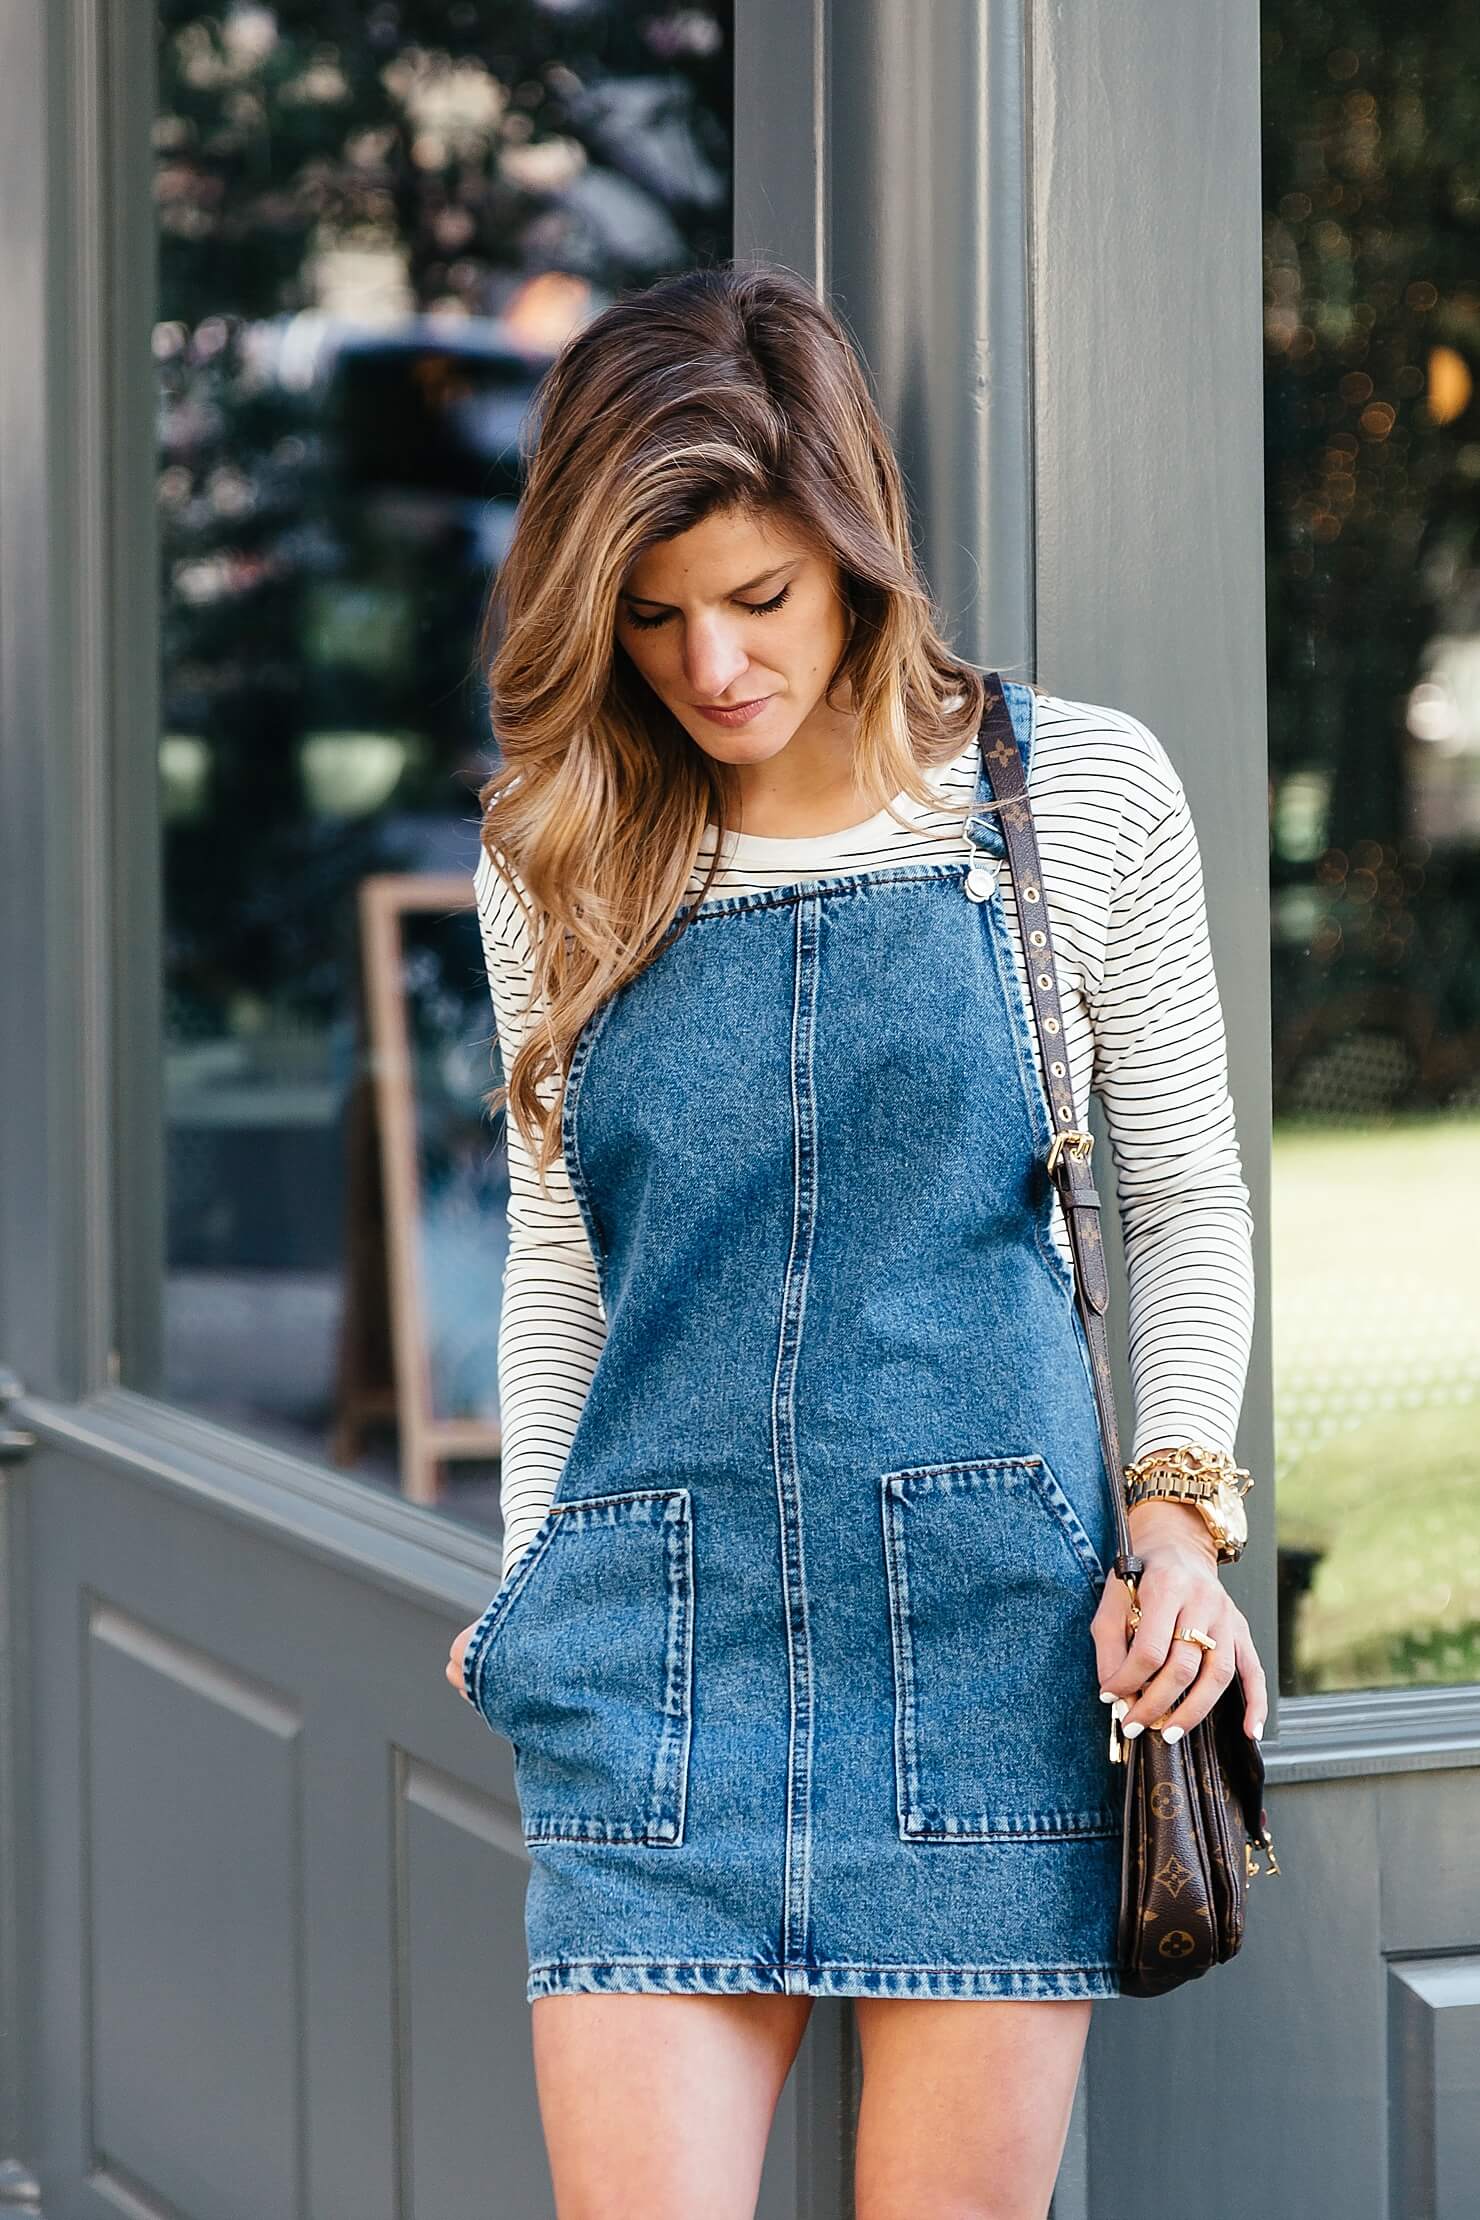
659, 2107
965, 2105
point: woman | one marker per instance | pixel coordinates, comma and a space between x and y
804, 1606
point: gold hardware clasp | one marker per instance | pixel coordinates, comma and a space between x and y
1251, 1856
1076, 1144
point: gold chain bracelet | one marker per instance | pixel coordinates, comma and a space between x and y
1187, 1459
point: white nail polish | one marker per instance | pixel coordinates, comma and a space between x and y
1122, 1706
1107, 1696
1133, 1727
1172, 1733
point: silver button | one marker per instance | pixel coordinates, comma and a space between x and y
981, 879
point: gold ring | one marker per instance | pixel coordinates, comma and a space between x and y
1195, 1634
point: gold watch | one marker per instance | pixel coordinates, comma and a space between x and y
1193, 1473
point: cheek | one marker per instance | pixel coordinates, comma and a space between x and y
645, 653
816, 641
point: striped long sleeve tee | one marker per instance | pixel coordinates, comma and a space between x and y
1144, 1032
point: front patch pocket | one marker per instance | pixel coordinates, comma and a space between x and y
595, 1689
998, 1726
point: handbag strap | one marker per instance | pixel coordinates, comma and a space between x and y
1068, 1160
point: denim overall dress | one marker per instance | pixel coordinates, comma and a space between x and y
798, 1670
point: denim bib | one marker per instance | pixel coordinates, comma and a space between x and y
797, 1669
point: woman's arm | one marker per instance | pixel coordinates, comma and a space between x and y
552, 1325
1161, 1073
1160, 1070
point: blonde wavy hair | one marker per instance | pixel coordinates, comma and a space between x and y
729, 387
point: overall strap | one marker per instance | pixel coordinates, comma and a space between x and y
1068, 1159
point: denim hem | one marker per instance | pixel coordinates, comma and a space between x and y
731, 1976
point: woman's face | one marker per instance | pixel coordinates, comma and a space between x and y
732, 613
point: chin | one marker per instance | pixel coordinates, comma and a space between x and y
737, 747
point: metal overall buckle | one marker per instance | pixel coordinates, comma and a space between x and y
1071, 1142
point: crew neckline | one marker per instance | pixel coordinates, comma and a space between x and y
743, 847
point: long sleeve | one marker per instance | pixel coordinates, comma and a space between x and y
1143, 1030
552, 1325
1160, 1071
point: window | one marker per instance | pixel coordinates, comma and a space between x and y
1372, 341
375, 226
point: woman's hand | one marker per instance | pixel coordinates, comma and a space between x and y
1180, 1587
455, 1658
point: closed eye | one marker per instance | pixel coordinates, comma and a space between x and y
755, 608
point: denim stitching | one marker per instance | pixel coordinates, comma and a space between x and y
897, 1584
829, 885
554, 1976
1076, 1533
480, 1641
670, 1774
795, 1876
668, 1782
1020, 1013
1034, 1094
570, 1137
918, 1822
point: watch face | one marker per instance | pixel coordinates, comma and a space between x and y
1229, 1513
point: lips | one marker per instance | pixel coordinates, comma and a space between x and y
736, 713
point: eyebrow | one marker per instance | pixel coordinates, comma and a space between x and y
749, 585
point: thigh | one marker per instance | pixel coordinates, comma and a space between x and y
965, 2104
661, 2104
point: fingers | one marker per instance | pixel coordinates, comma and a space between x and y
1192, 1678
453, 1670
1109, 1629
1162, 1680
1251, 1675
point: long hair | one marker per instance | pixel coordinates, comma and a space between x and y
724, 387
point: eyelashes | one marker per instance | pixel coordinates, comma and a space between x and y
755, 608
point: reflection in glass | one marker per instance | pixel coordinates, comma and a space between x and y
376, 225
1372, 340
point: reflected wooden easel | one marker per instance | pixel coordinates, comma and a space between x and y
385, 1315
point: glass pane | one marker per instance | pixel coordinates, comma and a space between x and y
375, 225
1372, 345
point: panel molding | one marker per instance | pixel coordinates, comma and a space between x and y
1433, 2084
413, 1550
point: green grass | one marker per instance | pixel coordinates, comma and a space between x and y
1376, 1324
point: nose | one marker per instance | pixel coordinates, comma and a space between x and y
714, 658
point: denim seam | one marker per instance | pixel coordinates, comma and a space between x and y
570, 1137
480, 1641
840, 1977
916, 1821
667, 1792
819, 1965
1024, 1034
1034, 1094
795, 1908
829, 885
671, 1773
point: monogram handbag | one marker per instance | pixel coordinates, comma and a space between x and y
1194, 1809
